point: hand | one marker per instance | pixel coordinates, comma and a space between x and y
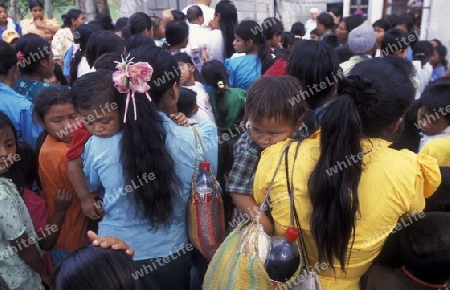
110, 242
180, 119
267, 225
63, 200
205, 54
91, 208
39, 24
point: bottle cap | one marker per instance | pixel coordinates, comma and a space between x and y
205, 166
291, 234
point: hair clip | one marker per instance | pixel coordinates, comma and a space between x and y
132, 78
220, 85
20, 56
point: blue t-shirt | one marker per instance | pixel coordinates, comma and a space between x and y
437, 73
68, 56
243, 70
103, 169
19, 110
30, 88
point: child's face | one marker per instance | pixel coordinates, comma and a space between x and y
240, 45
103, 123
59, 121
267, 132
379, 32
187, 74
434, 124
7, 149
434, 59
314, 37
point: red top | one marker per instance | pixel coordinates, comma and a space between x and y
278, 69
80, 136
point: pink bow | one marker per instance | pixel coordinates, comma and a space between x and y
132, 78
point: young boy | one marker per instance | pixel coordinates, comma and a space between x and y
271, 119
195, 20
433, 118
187, 80
247, 151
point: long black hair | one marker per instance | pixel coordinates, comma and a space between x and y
8, 57
81, 36
214, 72
374, 97
137, 23
101, 42
227, 22
71, 15
250, 30
34, 49
143, 142
79, 270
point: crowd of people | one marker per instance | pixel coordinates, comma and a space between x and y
98, 152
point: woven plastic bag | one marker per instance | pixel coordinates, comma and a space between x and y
205, 218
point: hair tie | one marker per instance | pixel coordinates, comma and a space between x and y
132, 78
20, 56
220, 85
298, 36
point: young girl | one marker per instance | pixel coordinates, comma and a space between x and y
101, 42
349, 171
177, 36
272, 28
79, 65
35, 64
380, 27
244, 70
22, 266
220, 38
187, 79
227, 104
438, 61
159, 28
187, 103
423, 50
139, 23
149, 202
63, 38
54, 111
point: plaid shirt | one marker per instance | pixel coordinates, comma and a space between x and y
246, 157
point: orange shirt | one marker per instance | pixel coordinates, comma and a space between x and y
53, 175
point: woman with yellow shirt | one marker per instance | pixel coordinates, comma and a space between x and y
38, 24
350, 188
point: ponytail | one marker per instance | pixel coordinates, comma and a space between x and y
216, 76
334, 194
74, 66
265, 55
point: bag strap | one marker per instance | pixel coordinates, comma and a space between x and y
264, 204
293, 210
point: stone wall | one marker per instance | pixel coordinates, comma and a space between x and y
290, 11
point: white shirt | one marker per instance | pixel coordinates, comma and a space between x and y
310, 25
208, 13
423, 75
196, 41
83, 67
216, 45
205, 112
426, 138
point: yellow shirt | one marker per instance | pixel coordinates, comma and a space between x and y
392, 183
28, 26
440, 149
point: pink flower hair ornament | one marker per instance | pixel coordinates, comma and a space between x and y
132, 78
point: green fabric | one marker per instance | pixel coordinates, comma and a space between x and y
234, 104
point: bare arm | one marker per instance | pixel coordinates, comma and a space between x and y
28, 252
77, 178
247, 205
48, 237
